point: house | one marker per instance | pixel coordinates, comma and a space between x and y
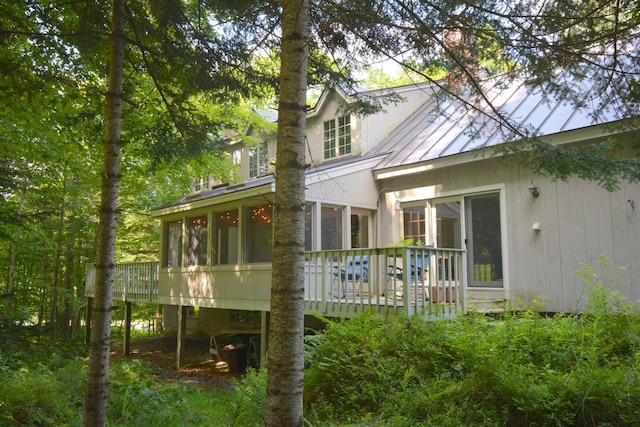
483, 232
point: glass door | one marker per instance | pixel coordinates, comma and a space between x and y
484, 240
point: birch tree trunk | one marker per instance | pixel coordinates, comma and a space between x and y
286, 328
95, 399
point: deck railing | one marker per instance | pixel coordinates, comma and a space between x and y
412, 279
131, 282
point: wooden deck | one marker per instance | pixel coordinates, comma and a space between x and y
342, 283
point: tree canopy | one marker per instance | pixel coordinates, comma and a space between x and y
186, 65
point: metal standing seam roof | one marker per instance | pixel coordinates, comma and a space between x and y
445, 126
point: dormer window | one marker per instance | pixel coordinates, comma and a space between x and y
259, 160
337, 137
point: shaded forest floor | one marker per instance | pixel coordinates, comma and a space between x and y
197, 366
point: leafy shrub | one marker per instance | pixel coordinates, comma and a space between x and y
41, 396
516, 368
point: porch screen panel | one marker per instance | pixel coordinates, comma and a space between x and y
331, 227
227, 237
308, 227
486, 241
359, 231
197, 244
258, 233
173, 244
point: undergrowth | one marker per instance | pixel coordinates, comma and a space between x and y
515, 368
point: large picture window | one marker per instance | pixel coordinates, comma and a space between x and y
173, 244
337, 137
258, 233
197, 243
227, 237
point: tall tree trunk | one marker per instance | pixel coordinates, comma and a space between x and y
286, 328
14, 246
57, 267
95, 399
67, 306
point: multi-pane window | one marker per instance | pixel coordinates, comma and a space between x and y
344, 135
330, 139
173, 244
197, 243
227, 226
259, 160
236, 157
199, 184
259, 233
415, 224
337, 140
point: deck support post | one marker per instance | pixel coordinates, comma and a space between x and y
126, 344
87, 323
182, 334
264, 331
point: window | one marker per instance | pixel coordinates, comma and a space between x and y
199, 184
197, 246
415, 224
259, 160
448, 225
258, 233
246, 317
227, 237
337, 144
236, 157
344, 135
330, 139
173, 244
331, 227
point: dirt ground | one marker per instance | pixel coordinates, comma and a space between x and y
197, 366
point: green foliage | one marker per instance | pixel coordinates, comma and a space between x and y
42, 395
46, 387
516, 368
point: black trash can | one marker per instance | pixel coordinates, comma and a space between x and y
236, 357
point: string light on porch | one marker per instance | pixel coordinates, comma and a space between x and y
226, 217
260, 213
201, 220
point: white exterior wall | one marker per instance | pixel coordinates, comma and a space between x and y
329, 110
366, 131
579, 221
377, 126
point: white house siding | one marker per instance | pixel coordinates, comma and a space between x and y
579, 222
240, 287
351, 185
